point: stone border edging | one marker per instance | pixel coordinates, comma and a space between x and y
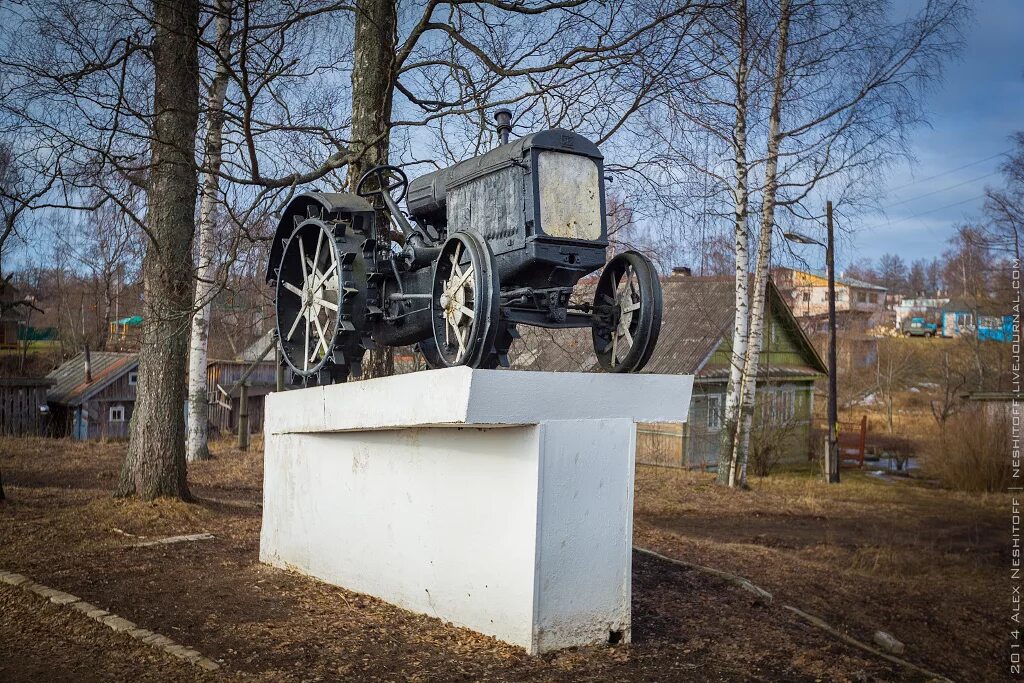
111, 621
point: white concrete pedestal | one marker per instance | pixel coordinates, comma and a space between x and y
496, 500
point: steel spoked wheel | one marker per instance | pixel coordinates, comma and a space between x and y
308, 298
464, 301
627, 313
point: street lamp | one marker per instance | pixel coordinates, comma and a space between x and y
832, 454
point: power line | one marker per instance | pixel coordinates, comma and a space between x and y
944, 189
925, 213
952, 170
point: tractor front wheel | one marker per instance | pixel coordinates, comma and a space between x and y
464, 304
627, 313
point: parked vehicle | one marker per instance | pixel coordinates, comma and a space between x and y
918, 327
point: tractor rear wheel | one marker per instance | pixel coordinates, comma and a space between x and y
320, 301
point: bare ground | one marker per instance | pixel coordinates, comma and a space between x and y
926, 565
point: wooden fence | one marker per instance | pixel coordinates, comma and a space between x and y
665, 445
661, 444
20, 403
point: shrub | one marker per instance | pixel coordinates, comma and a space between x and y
972, 453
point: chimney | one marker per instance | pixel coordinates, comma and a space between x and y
504, 119
682, 270
88, 366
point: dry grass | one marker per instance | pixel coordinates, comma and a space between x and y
872, 552
918, 561
972, 453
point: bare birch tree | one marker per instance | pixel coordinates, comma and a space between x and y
206, 273
753, 347
844, 92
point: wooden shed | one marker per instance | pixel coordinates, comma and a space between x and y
23, 408
94, 400
223, 391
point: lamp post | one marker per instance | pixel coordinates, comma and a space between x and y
832, 454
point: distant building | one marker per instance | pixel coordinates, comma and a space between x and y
125, 333
806, 292
984, 320
224, 393
995, 405
958, 318
93, 400
696, 336
929, 308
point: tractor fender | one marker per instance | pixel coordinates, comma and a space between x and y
330, 204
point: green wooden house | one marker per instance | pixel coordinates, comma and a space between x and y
696, 338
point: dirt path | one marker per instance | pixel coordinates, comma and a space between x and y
62, 528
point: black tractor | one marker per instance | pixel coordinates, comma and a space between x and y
493, 242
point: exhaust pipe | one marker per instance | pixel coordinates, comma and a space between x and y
88, 366
504, 119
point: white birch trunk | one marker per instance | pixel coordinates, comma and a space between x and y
755, 343
198, 405
726, 461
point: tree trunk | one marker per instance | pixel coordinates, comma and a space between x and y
155, 464
742, 246
198, 402
373, 80
755, 343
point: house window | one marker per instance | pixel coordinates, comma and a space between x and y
862, 297
806, 297
777, 405
117, 413
133, 378
873, 298
714, 412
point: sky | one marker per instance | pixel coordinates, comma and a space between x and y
972, 113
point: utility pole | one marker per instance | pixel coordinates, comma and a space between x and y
832, 458
243, 416
832, 438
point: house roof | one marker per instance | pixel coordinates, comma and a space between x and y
244, 363
979, 307
69, 385
257, 348
698, 317
840, 280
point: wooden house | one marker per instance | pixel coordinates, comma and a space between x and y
94, 399
224, 392
806, 293
696, 338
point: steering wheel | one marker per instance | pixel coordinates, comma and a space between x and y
388, 178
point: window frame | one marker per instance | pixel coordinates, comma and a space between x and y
133, 378
121, 409
714, 416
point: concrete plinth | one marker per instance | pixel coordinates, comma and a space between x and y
500, 501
